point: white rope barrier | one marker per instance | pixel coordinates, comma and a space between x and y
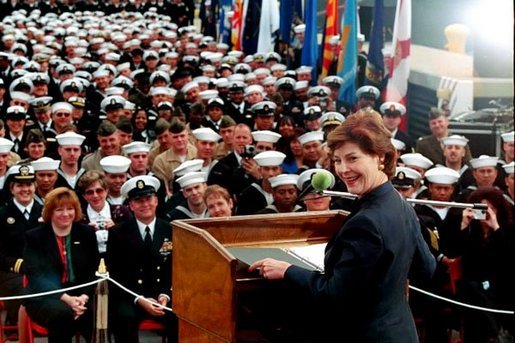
460, 303
63, 290
137, 295
103, 277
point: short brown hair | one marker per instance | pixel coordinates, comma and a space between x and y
57, 198
218, 192
366, 129
90, 177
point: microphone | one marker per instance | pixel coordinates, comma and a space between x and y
320, 182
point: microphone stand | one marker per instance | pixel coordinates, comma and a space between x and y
415, 201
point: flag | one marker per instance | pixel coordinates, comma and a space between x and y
225, 24
310, 47
286, 18
331, 29
252, 15
374, 72
398, 66
268, 26
236, 25
349, 53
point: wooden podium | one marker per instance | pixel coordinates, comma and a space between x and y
209, 283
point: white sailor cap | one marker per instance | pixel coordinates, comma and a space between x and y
508, 167
192, 178
62, 106
508, 137
269, 158
331, 118
333, 80
273, 56
278, 66
140, 186
65, 68
235, 53
248, 59
262, 71
484, 161
20, 96
101, 73
135, 147
164, 105
5, 145
208, 94
283, 179
306, 176
253, 89
201, 79
45, 163
311, 136
265, 136
110, 91
269, 80
70, 138
301, 85
123, 66
368, 92
264, 108
222, 82
360, 37
215, 102
320, 91
189, 86
188, 167
206, 134
150, 54
416, 159
159, 74
392, 108
300, 28
397, 144
115, 164
303, 70
442, 175
250, 77
455, 140
208, 67
159, 90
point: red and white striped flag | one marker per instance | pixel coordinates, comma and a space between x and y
237, 25
398, 66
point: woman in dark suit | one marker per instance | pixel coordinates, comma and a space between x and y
58, 254
361, 297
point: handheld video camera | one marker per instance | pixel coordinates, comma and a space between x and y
249, 151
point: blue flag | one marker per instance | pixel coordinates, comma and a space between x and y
374, 72
251, 29
286, 12
347, 63
310, 52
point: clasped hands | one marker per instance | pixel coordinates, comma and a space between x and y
76, 303
150, 305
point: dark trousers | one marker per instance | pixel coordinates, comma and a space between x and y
57, 317
10, 285
126, 317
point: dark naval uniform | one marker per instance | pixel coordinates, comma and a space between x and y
147, 273
252, 199
13, 227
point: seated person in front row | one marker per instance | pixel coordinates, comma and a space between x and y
139, 257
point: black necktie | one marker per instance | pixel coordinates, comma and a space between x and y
44, 128
26, 214
148, 239
16, 144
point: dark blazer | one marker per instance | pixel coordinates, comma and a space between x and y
229, 174
403, 137
125, 251
43, 265
251, 200
13, 227
362, 292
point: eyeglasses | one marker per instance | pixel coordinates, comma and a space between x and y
94, 191
62, 114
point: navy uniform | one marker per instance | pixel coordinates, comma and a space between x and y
282, 180
394, 109
141, 260
17, 113
13, 226
184, 210
255, 197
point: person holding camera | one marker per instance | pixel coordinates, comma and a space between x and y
238, 170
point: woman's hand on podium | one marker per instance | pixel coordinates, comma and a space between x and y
270, 269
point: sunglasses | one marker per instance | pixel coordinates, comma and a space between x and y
62, 114
94, 191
